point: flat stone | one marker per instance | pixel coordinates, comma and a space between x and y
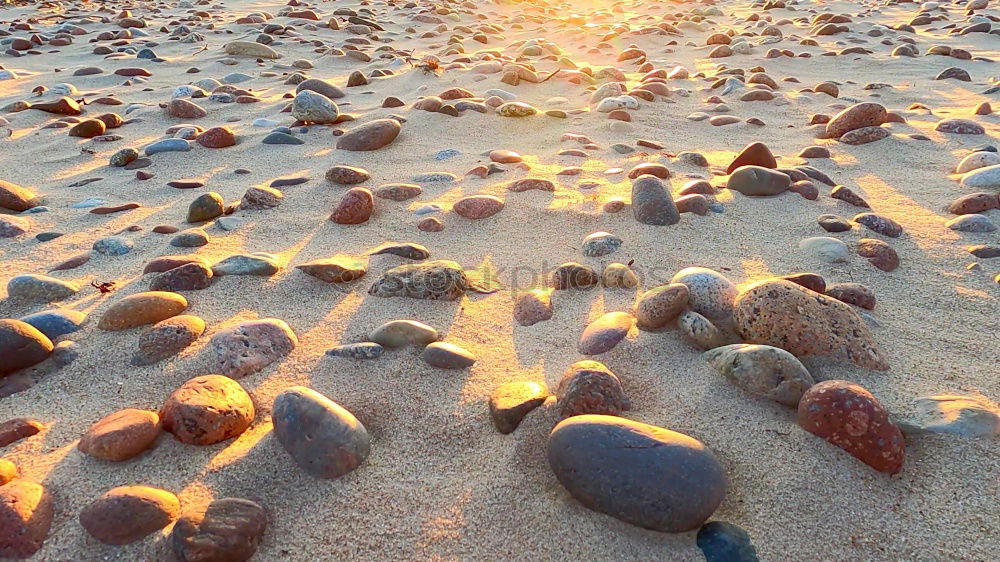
121, 435
971, 223
725, 542
825, 248
127, 514
433, 280
971, 415
187, 277
879, 223
141, 309
478, 206
401, 333
340, 269
645, 475
21, 346
258, 263
40, 288
362, 350
444, 355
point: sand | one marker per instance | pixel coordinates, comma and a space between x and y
441, 483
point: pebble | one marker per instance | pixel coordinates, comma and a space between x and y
833, 223
619, 276
725, 542
825, 248
229, 530
127, 514
26, 510
370, 136
971, 223
848, 416
258, 263
323, 438
478, 206
879, 254
247, 347
660, 306
981, 178
13, 197
444, 355
758, 181
16, 429
168, 338
347, 175
121, 435
190, 238
867, 114
141, 309
600, 244
709, 292
56, 323
355, 207
880, 224
762, 370
340, 269
40, 288
205, 207
401, 333
512, 401
652, 203
206, 410
167, 145
645, 475
604, 333
363, 350
312, 107
113, 246
589, 387
783, 314
699, 330
21, 346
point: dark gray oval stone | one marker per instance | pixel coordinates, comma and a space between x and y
323, 438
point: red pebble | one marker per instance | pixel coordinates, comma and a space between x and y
848, 416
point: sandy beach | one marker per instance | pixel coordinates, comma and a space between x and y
440, 482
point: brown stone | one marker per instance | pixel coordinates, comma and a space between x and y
16, 198
355, 207
879, 253
478, 206
187, 277
852, 293
974, 203
217, 137
168, 338
121, 435
127, 514
866, 114
142, 308
753, 154
207, 409
16, 429
511, 401
229, 530
26, 510
589, 387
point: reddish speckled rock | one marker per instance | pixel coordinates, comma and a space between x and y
217, 137
356, 207
783, 314
867, 114
852, 293
478, 206
974, 203
25, 518
588, 387
848, 416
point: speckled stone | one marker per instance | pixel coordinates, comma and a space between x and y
652, 203
600, 244
339, 269
532, 307
589, 387
848, 416
699, 330
867, 114
880, 224
229, 530
168, 338
40, 288
709, 292
786, 315
361, 350
250, 346
762, 370
659, 306
572, 275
